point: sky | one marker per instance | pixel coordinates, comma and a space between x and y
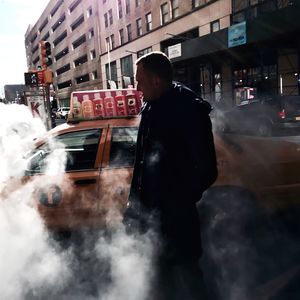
15, 16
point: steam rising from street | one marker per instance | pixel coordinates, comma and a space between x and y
33, 265
111, 264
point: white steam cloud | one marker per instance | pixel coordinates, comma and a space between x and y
34, 265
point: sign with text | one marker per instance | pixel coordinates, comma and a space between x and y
36, 104
174, 51
237, 35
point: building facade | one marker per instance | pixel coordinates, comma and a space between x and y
72, 28
226, 50
14, 93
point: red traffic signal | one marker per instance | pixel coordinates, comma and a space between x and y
45, 54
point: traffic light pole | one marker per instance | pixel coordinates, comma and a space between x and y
48, 105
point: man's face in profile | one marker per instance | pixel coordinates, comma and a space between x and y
146, 83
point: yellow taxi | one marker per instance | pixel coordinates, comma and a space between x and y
81, 170
93, 188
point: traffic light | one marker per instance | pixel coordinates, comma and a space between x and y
38, 77
45, 54
31, 78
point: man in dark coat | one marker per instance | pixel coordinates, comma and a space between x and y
175, 163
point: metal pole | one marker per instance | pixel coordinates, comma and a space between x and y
48, 106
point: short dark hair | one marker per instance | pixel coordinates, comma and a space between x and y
157, 63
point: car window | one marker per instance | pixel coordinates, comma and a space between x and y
81, 148
122, 151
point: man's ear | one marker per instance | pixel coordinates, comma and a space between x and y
156, 81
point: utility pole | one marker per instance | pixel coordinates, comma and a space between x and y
39, 80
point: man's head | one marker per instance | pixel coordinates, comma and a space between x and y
154, 74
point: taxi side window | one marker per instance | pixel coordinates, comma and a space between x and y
81, 148
122, 150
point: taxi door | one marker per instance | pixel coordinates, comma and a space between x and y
69, 199
117, 169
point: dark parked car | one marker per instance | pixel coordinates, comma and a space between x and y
263, 117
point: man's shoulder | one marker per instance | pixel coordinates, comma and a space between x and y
186, 99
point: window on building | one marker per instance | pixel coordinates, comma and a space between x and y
148, 22
61, 54
82, 78
175, 8
60, 38
129, 32
34, 49
127, 7
64, 84
137, 3
63, 69
111, 72
77, 22
139, 27
93, 54
107, 44
215, 26
46, 36
89, 12
33, 38
127, 66
94, 75
91, 33
56, 7
74, 5
120, 9
43, 25
106, 20
164, 12
79, 41
80, 60
58, 22
198, 3
112, 41
144, 51
121, 36
110, 17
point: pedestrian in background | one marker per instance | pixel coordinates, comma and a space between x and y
175, 163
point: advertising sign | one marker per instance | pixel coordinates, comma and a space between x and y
237, 35
36, 104
105, 103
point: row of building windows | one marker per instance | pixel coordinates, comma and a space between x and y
127, 75
79, 21
79, 41
110, 41
78, 80
168, 12
77, 62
